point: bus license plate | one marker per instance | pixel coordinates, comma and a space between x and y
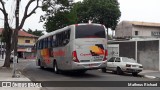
97, 58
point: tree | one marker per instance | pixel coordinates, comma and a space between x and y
58, 14
60, 20
36, 32
104, 12
13, 35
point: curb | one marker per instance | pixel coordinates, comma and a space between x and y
150, 77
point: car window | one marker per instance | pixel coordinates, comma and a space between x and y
112, 59
117, 60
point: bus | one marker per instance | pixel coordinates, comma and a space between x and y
78, 47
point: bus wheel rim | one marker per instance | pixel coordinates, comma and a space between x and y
55, 68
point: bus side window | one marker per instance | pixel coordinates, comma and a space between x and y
53, 41
46, 44
42, 44
68, 34
66, 37
60, 39
50, 42
56, 40
39, 47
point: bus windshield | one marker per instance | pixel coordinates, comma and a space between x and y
90, 31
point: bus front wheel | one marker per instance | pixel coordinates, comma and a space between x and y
40, 64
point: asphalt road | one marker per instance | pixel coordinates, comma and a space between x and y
33, 72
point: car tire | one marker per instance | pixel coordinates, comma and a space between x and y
119, 71
55, 67
104, 70
134, 73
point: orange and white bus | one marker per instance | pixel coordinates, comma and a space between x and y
79, 47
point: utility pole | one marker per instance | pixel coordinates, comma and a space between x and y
15, 60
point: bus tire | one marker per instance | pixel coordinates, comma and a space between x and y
40, 64
55, 67
82, 71
104, 70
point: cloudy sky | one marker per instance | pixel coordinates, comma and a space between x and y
131, 10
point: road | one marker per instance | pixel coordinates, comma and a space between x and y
33, 72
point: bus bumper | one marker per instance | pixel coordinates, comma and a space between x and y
89, 66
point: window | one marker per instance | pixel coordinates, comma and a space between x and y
117, 60
112, 59
38, 45
53, 41
94, 31
50, 42
27, 41
136, 32
61, 39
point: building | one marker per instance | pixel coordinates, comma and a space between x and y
134, 29
144, 51
139, 40
26, 43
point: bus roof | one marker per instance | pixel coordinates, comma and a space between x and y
62, 29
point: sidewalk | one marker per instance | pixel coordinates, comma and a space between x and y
6, 75
150, 74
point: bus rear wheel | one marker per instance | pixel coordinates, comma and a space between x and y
104, 70
55, 67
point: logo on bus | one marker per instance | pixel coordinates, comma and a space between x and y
85, 54
97, 50
58, 53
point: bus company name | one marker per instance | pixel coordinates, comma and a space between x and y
82, 54
58, 53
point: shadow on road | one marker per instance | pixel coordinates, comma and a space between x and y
73, 73
124, 74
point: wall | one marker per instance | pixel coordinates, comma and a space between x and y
21, 40
148, 54
124, 29
144, 31
126, 49
127, 29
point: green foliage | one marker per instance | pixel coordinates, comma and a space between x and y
36, 32
50, 7
99, 11
60, 20
104, 12
58, 14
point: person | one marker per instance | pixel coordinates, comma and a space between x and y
12, 57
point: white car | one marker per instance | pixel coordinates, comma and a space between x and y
123, 64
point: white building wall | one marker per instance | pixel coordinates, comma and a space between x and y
144, 31
124, 29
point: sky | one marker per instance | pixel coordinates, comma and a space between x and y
131, 10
